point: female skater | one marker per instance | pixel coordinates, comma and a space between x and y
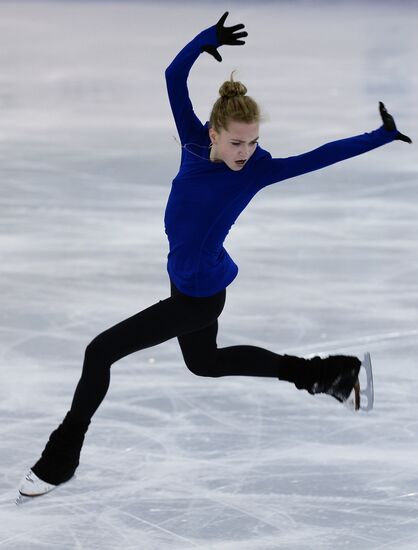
222, 168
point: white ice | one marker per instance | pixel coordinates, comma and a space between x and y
328, 264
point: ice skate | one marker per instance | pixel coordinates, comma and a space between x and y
58, 461
33, 486
362, 397
336, 375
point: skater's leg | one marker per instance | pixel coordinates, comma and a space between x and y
203, 357
335, 374
158, 323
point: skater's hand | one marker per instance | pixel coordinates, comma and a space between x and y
389, 123
225, 35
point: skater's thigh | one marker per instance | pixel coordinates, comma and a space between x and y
199, 346
166, 319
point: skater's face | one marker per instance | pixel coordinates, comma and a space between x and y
237, 143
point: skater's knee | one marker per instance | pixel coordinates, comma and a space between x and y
202, 369
96, 349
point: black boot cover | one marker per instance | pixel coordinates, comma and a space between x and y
335, 375
61, 455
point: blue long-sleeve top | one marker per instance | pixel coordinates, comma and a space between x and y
207, 197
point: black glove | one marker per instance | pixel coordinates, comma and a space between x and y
225, 35
389, 123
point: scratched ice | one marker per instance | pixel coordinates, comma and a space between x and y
328, 264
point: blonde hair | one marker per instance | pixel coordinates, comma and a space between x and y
234, 105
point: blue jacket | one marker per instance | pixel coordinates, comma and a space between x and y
207, 197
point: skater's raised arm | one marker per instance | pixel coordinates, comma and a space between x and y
188, 125
278, 169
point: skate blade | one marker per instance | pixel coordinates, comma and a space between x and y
368, 391
32, 486
362, 398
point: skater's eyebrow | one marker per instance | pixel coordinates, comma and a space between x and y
243, 140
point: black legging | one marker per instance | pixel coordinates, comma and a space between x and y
194, 321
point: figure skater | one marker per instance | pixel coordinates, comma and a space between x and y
222, 168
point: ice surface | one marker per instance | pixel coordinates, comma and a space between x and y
328, 264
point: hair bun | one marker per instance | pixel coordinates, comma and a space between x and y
233, 105
230, 88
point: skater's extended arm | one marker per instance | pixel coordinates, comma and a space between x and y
188, 125
278, 169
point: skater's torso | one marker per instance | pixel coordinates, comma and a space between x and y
205, 200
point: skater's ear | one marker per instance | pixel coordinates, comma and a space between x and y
213, 135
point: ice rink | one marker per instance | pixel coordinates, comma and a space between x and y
328, 265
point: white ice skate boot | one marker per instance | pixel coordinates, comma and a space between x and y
32, 486
59, 459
